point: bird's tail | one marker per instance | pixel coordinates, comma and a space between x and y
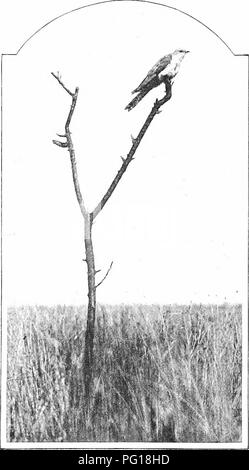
136, 100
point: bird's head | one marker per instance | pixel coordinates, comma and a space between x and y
180, 53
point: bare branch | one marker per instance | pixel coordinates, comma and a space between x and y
135, 143
69, 145
62, 84
70, 115
60, 144
108, 270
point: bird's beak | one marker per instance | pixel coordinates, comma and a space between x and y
187, 52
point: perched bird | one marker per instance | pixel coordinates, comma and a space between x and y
167, 67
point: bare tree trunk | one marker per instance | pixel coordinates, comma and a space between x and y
91, 311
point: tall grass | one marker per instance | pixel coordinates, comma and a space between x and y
159, 375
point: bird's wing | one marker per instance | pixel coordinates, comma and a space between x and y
154, 72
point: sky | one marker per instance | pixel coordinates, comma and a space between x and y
175, 227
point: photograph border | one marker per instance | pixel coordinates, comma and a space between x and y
111, 445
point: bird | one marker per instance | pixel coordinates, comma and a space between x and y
167, 67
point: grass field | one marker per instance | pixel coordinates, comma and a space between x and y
161, 374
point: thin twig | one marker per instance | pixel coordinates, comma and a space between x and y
108, 270
135, 143
62, 84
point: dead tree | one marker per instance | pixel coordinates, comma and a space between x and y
90, 216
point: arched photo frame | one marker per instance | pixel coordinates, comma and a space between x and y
174, 227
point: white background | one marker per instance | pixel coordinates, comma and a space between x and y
176, 225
